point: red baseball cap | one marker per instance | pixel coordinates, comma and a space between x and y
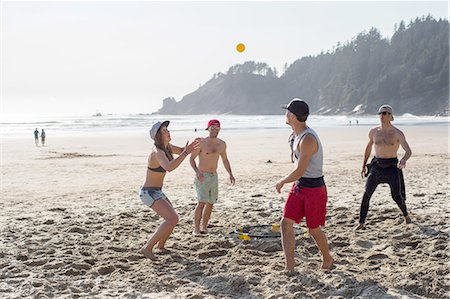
213, 122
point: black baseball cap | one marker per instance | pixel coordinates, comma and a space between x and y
298, 107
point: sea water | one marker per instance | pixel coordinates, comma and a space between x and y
20, 126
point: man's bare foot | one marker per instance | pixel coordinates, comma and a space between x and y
407, 219
289, 272
360, 226
327, 265
148, 254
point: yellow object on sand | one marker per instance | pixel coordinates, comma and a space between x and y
276, 228
244, 237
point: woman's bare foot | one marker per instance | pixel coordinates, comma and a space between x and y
196, 232
203, 230
148, 254
162, 250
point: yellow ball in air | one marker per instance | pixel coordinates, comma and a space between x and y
240, 47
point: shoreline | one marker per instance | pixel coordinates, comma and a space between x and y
143, 132
117, 124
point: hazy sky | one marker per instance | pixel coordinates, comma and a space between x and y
126, 57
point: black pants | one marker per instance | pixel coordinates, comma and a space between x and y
384, 171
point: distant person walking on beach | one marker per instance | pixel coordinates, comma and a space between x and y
159, 162
43, 137
291, 144
308, 195
36, 137
385, 167
206, 180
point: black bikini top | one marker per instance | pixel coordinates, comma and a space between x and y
157, 169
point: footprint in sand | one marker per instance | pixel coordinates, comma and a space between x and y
419, 194
175, 257
312, 249
85, 253
364, 244
90, 261
76, 229
402, 236
123, 267
56, 265
336, 209
212, 253
339, 242
72, 272
134, 257
81, 266
263, 214
377, 256
343, 221
412, 244
37, 283
254, 280
268, 246
57, 209
35, 263
106, 270
22, 257
225, 244
118, 249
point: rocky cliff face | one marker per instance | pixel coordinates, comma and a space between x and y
231, 94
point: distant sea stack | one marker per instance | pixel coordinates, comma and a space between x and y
242, 93
410, 71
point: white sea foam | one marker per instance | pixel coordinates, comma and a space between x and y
17, 126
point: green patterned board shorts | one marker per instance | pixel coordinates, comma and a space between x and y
208, 190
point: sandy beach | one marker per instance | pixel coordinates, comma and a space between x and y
72, 223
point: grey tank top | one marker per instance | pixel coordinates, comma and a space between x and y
315, 166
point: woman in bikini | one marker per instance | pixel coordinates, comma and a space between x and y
160, 161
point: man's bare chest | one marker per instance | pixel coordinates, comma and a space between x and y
385, 139
212, 150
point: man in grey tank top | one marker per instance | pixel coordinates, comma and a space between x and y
308, 195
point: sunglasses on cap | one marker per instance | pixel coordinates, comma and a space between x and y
384, 113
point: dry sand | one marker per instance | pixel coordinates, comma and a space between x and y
71, 222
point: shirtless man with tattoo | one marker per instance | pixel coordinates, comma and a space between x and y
385, 167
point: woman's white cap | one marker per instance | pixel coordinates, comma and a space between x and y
156, 126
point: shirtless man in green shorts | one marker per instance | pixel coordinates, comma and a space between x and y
206, 181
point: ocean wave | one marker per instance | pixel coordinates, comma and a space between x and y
65, 124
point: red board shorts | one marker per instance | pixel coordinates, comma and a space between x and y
307, 202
